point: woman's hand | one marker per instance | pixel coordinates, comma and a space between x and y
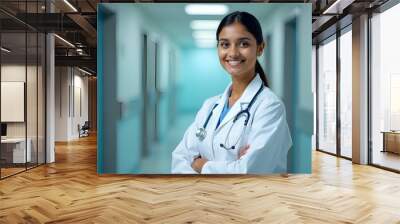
198, 164
243, 150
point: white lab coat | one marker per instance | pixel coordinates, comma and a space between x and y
267, 133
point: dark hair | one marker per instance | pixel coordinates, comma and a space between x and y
253, 26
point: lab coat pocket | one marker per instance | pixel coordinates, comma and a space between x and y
202, 150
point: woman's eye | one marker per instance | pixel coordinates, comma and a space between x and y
224, 45
243, 44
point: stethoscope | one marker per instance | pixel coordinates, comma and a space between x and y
201, 133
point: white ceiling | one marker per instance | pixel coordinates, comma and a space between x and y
171, 17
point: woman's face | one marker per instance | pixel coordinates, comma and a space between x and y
238, 50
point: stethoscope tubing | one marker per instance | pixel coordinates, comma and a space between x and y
202, 131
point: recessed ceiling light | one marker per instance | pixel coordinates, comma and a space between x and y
204, 24
206, 9
70, 5
84, 71
201, 44
206, 43
5, 50
64, 40
337, 7
204, 34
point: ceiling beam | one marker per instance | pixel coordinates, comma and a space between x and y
83, 61
86, 26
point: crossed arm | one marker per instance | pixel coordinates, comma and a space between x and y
198, 163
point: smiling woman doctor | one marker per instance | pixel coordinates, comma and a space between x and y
244, 130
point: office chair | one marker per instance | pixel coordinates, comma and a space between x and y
84, 130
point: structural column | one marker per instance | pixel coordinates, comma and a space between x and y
50, 92
360, 90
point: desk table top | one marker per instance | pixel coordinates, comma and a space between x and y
13, 140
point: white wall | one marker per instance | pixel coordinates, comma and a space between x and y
33, 126
16, 73
81, 82
68, 82
61, 103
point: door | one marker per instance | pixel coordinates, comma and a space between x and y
290, 80
150, 94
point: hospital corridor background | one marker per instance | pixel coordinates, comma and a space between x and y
166, 65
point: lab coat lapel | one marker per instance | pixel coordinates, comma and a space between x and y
242, 102
218, 110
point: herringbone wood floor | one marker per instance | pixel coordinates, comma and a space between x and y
70, 191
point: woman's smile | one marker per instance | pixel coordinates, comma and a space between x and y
235, 63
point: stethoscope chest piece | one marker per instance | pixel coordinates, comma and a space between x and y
201, 133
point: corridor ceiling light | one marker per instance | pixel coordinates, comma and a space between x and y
206, 43
65, 41
204, 34
5, 50
204, 24
70, 5
84, 71
206, 9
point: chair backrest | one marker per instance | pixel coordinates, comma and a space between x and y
86, 125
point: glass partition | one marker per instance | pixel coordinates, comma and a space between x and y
346, 93
327, 96
14, 152
385, 89
22, 88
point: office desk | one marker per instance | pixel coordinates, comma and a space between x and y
15, 148
391, 141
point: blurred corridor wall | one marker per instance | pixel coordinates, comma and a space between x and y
290, 75
120, 53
